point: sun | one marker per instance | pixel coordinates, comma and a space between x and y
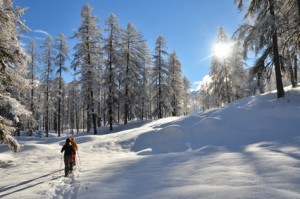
221, 50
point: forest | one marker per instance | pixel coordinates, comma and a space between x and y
118, 79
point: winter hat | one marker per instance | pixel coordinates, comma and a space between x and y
67, 140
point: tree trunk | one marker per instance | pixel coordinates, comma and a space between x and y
32, 103
279, 84
298, 2
159, 88
47, 111
226, 84
59, 112
83, 119
118, 111
295, 69
59, 97
77, 118
126, 112
143, 103
104, 114
292, 77
111, 94
99, 114
94, 116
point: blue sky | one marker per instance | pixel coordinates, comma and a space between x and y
189, 26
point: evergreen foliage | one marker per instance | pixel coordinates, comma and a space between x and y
13, 69
85, 61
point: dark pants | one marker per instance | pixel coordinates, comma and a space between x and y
68, 164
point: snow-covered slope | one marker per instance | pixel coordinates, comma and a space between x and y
248, 149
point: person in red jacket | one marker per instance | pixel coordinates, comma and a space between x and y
72, 140
68, 160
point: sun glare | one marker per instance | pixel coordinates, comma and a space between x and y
222, 50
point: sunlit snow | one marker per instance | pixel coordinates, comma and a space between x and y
248, 149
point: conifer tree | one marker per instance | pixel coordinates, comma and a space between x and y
132, 59
74, 105
144, 91
13, 62
175, 84
289, 33
262, 36
85, 61
47, 77
237, 74
159, 78
186, 95
219, 72
62, 56
32, 70
111, 53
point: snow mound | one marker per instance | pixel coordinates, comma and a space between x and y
262, 118
107, 147
166, 140
84, 139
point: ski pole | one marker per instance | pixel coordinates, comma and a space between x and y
60, 162
79, 157
77, 163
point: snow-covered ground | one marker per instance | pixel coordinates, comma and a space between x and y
248, 149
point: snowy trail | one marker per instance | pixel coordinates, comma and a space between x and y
27, 179
112, 172
196, 175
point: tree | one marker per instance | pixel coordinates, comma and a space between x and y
74, 105
175, 84
289, 32
159, 77
111, 51
32, 67
62, 56
132, 59
261, 36
85, 60
99, 89
219, 72
13, 83
145, 87
237, 74
205, 95
186, 95
47, 76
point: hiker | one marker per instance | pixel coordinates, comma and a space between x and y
74, 144
69, 150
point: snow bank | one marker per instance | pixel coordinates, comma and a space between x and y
253, 119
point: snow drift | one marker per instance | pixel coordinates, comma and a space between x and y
253, 119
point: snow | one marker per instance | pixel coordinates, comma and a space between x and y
248, 149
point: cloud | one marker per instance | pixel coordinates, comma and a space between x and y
42, 31
25, 37
39, 38
205, 81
